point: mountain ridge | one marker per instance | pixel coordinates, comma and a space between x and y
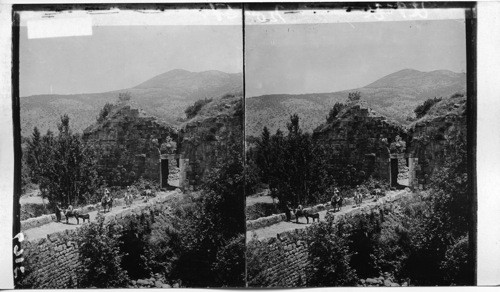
173, 92
394, 96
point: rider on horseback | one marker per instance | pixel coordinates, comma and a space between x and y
106, 200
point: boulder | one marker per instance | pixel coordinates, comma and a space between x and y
142, 282
158, 284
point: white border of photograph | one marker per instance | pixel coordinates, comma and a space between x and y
488, 144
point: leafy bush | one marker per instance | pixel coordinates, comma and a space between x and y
163, 247
213, 220
230, 261
103, 114
64, 166
354, 96
261, 210
332, 115
257, 260
193, 110
123, 97
99, 256
133, 245
329, 257
456, 266
424, 108
32, 210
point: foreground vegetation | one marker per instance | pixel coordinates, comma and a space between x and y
425, 242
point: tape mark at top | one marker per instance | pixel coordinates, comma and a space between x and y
59, 27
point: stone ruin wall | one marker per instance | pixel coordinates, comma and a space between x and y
428, 142
359, 138
200, 141
52, 262
288, 251
130, 128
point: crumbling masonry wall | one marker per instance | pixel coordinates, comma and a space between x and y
287, 253
52, 262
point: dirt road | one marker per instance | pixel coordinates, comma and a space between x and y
273, 230
44, 230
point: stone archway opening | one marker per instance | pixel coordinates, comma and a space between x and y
172, 171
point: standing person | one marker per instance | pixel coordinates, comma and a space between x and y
288, 212
58, 212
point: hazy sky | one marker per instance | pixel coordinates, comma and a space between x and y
308, 58
118, 57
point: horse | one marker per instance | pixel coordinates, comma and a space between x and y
107, 201
70, 212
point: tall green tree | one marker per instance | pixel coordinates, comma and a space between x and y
216, 222
63, 165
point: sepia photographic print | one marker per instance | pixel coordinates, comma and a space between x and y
244, 145
131, 137
357, 148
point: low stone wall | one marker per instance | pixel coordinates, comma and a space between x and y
45, 219
287, 253
276, 218
52, 262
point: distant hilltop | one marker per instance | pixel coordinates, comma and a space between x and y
165, 96
395, 96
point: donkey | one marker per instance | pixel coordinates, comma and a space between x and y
70, 212
299, 212
313, 216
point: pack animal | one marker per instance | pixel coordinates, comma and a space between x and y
70, 212
84, 217
299, 212
313, 216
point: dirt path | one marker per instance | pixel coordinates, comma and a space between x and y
44, 230
273, 230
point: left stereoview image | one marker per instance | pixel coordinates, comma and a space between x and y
130, 147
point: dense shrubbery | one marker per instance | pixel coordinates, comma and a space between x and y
202, 244
103, 114
215, 222
64, 167
332, 115
257, 259
424, 108
193, 110
100, 257
425, 243
329, 257
300, 169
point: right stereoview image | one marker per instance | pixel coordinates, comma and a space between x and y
356, 150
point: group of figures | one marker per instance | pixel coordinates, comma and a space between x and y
335, 203
106, 205
300, 212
